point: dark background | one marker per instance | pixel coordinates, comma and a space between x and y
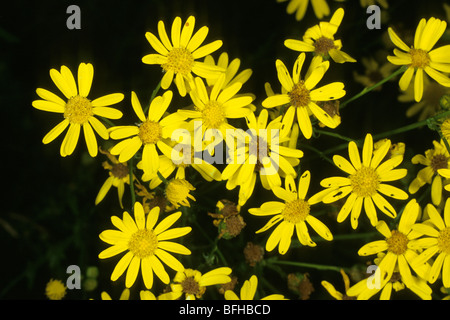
48, 218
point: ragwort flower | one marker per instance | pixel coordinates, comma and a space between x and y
146, 245
78, 111
365, 182
294, 214
178, 57
420, 57
248, 292
299, 7
301, 97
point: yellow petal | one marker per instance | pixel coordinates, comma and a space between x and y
85, 76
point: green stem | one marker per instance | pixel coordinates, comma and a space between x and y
376, 85
308, 265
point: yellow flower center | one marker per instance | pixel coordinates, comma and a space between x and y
397, 242
213, 115
365, 182
150, 132
296, 211
444, 241
299, 95
179, 60
78, 110
420, 58
439, 161
323, 45
143, 243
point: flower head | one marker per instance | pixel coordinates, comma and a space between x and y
178, 56
152, 132
420, 57
192, 283
78, 111
299, 7
302, 98
436, 242
437, 163
319, 39
178, 192
365, 182
55, 289
146, 245
336, 294
294, 214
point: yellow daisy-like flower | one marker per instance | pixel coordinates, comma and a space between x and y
336, 294
125, 295
213, 108
319, 39
301, 97
401, 247
151, 132
294, 214
248, 291
178, 192
435, 160
119, 175
299, 7
420, 57
231, 70
192, 283
178, 57
261, 156
55, 289
367, 288
365, 182
78, 111
437, 242
146, 245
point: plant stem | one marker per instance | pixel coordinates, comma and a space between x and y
308, 265
368, 89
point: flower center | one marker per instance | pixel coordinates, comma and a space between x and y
365, 182
323, 45
439, 161
444, 241
78, 110
150, 132
190, 286
143, 243
296, 211
299, 95
397, 242
119, 170
213, 115
420, 58
179, 60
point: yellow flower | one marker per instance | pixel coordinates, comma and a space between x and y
151, 132
301, 97
401, 245
177, 192
119, 175
178, 57
434, 159
147, 295
319, 39
294, 213
336, 294
260, 156
55, 289
365, 182
320, 8
248, 291
437, 242
420, 57
192, 283
78, 111
145, 244
213, 108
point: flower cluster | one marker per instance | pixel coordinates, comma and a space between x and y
223, 140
